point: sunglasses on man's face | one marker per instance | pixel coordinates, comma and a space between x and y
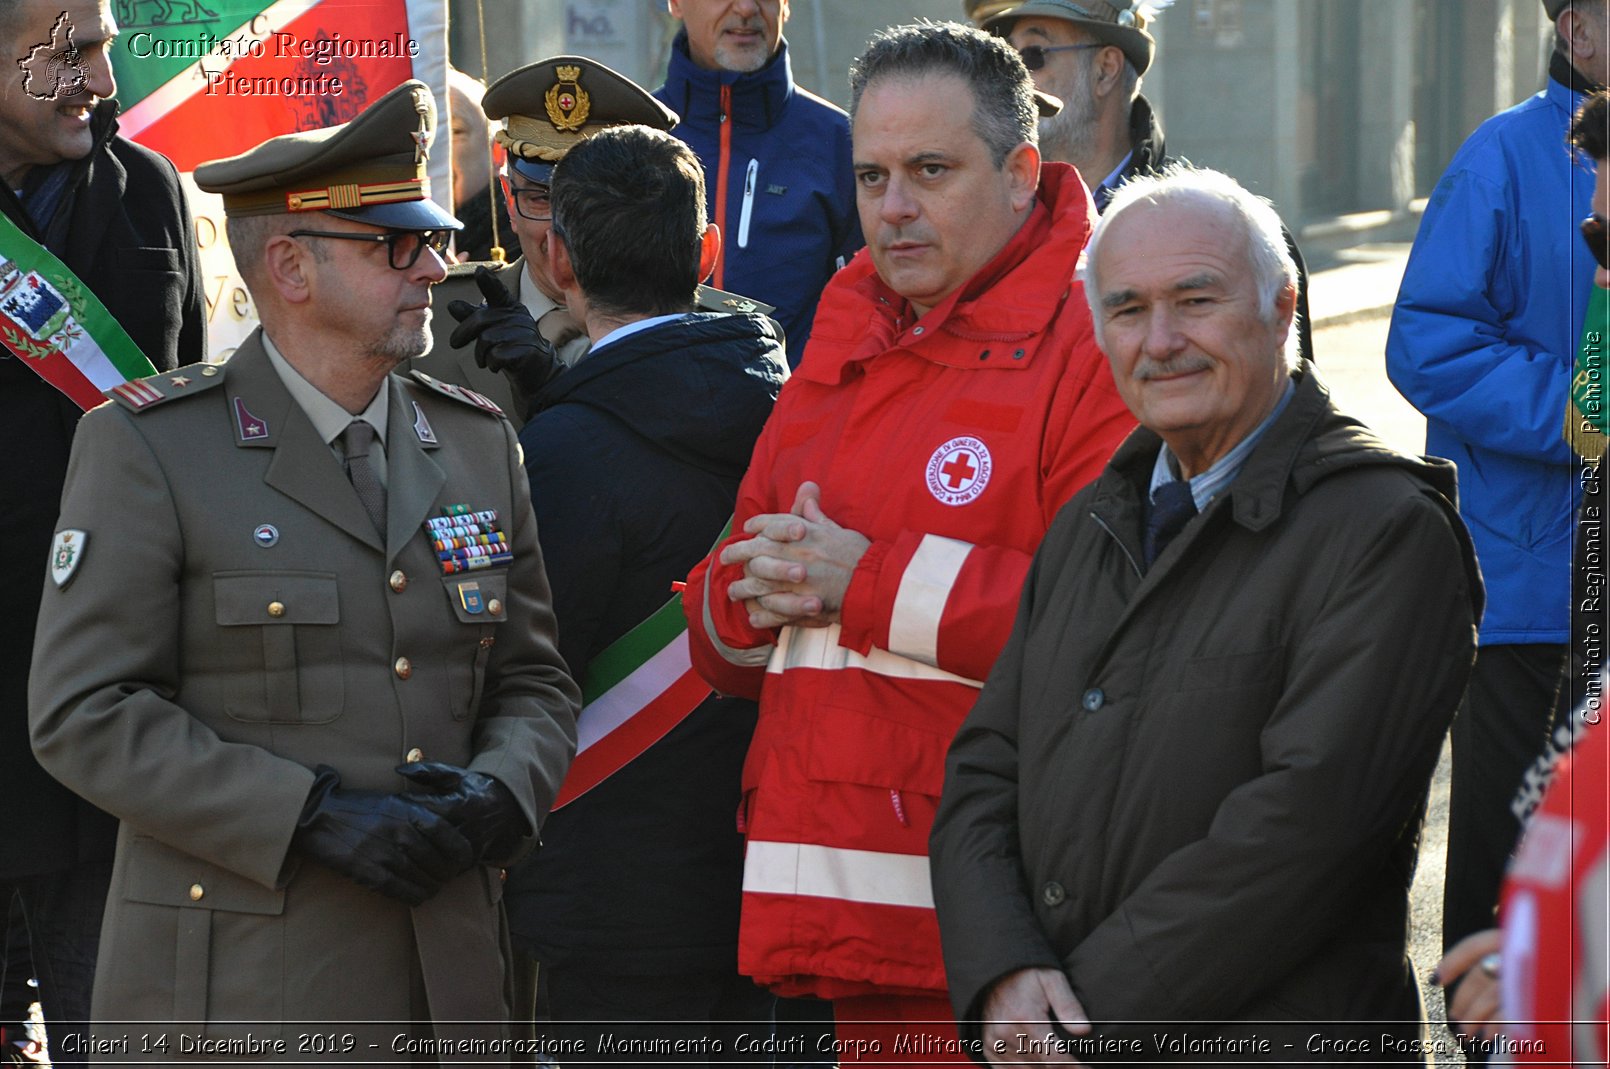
1597, 234
1034, 55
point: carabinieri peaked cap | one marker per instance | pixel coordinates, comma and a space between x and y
550, 106
370, 170
1115, 22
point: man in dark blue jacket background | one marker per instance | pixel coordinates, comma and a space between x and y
776, 157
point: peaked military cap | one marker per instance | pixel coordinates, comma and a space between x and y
370, 170
549, 106
1114, 22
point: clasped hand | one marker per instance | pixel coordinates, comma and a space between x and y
797, 566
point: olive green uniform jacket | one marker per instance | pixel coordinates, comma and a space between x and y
232, 621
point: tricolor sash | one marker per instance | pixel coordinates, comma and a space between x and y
59, 329
1586, 412
633, 694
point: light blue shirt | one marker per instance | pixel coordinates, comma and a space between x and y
1206, 486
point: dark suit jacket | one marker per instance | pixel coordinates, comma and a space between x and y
125, 231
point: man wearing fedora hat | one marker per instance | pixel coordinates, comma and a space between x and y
315, 677
1489, 321
1091, 55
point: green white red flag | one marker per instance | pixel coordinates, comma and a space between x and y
59, 329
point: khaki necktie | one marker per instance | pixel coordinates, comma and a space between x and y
357, 441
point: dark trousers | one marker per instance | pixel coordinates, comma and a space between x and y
63, 913
1498, 732
720, 1018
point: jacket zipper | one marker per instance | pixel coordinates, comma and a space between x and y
1120, 541
749, 203
721, 178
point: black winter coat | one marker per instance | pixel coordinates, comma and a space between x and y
635, 456
125, 231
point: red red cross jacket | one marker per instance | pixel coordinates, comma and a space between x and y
950, 442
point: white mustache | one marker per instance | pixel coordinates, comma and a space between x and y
1149, 369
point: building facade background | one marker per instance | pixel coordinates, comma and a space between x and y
1343, 112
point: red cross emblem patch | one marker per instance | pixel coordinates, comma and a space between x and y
959, 470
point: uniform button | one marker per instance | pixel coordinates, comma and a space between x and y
196, 891
209, 371
1094, 699
276, 609
1052, 894
404, 668
416, 754
398, 581
495, 607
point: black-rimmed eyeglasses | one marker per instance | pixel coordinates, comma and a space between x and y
1034, 55
530, 202
1597, 234
403, 247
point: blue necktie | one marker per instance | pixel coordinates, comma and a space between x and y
1172, 508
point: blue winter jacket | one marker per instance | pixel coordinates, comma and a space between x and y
1483, 340
787, 207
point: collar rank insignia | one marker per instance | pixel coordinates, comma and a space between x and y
422, 426
251, 428
65, 555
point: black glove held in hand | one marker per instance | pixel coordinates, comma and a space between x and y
506, 337
480, 807
383, 841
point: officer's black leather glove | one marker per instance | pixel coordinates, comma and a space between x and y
383, 841
480, 807
506, 337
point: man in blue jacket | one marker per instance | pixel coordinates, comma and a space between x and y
1486, 330
776, 158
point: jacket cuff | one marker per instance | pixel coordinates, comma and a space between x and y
862, 623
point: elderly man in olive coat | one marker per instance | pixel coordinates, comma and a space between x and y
1191, 789
314, 675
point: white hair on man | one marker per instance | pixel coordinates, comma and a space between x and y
1272, 265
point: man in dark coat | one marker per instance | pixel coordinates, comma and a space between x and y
114, 214
631, 904
1191, 789
1091, 56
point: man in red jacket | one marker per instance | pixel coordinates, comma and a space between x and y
951, 399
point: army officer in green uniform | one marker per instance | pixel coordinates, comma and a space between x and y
297, 638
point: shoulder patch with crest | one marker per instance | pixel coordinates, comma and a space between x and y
137, 395
461, 394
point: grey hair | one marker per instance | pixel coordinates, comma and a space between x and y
249, 235
1273, 269
1005, 114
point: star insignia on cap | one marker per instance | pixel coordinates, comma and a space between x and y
421, 145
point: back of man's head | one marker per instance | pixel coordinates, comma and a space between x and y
628, 203
1005, 113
